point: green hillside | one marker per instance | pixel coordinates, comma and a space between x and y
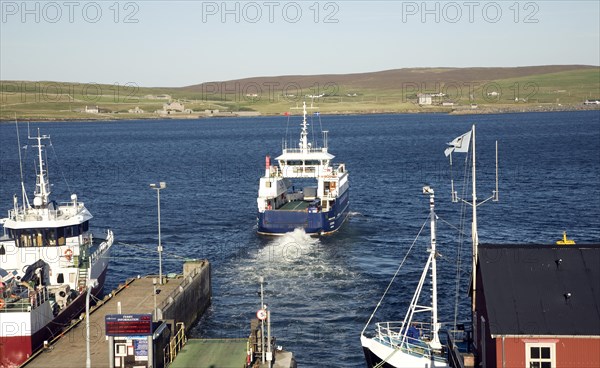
457, 90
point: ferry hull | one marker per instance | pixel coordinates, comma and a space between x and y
14, 350
279, 222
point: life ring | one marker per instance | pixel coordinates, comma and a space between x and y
2, 303
68, 254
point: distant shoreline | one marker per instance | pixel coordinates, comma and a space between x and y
483, 110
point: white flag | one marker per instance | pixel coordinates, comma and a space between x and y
459, 144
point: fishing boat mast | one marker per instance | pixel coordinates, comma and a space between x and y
435, 325
42, 187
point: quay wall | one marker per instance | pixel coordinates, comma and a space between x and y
188, 302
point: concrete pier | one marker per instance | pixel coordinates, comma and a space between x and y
182, 299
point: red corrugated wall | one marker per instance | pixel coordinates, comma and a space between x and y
570, 352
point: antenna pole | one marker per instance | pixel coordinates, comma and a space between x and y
304, 133
23, 192
474, 234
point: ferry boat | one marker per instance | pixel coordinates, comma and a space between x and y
318, 209
49, 262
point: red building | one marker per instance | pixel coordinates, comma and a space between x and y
538, 306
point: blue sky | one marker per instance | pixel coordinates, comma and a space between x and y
179, 43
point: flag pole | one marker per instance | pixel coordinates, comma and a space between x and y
454, 197
475, 237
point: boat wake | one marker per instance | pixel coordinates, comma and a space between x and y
292, 247
352, 214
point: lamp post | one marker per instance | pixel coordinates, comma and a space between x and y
158, 187
262, 322
92, 283
155, 312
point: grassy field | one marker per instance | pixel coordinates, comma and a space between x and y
356, 93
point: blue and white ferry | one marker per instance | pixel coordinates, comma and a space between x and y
319, 208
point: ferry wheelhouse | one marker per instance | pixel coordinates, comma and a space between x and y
318, 209
48, 260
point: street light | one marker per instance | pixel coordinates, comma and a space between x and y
92, 283
158, 187
155, 312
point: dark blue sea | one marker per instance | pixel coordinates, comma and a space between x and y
320, 291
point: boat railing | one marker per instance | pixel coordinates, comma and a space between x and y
307, 150
330, 196
33, 214
102, 247
30, 301
392, 333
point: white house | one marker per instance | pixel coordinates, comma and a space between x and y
137, 110
424, 99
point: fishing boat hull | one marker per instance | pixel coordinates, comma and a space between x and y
279, 222
378, 354
18, 340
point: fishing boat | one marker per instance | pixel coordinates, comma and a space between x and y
414, 342
320, 207
50, 263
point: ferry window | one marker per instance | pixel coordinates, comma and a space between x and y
312, 162
60, 278
295, 162
71, 231
268, 184
38, 238
86, 226
51, 237
60, 235
23, 238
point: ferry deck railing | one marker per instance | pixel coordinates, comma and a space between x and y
64, 208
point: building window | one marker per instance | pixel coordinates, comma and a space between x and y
540, 355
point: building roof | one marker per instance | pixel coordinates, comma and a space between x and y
541, 289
